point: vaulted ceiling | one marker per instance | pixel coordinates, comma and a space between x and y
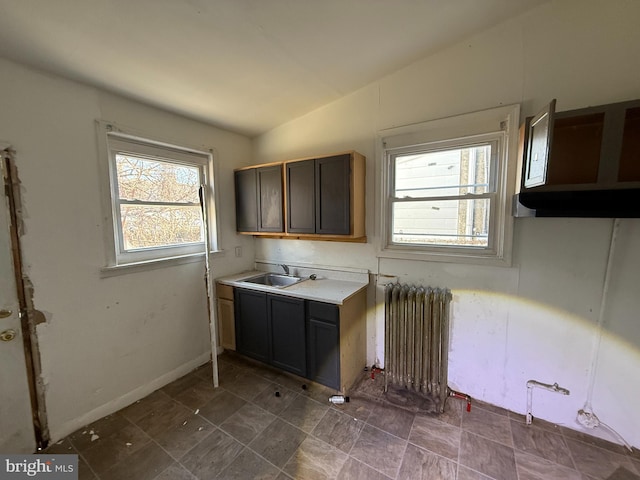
243, 65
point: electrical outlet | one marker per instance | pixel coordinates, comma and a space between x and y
238, 251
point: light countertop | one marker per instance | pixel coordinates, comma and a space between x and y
323, 289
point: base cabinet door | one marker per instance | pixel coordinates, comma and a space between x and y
324, 356
323, 343
252, 329
287, 330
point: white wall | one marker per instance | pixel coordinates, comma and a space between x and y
107, 341
537, 319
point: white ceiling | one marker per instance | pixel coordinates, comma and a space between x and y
244, 65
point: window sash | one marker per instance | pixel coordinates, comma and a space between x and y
442, 147
489, 219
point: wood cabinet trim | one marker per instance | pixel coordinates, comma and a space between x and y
224, 291
324, 155
309, 236
353, 342
249, 167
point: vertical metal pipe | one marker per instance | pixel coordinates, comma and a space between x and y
402, 339
411, 330
426, 341
396, 332
444, 349
417, 340
434, 351
388, 289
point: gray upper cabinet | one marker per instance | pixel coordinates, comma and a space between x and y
301, 196
246, 201
321, 198
333, 203
318, 195
270, 199
259, 202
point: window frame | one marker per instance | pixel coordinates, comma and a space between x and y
114, 140
494, 125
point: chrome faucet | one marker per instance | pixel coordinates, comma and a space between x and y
285, 268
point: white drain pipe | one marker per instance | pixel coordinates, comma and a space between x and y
586, 417
597, 340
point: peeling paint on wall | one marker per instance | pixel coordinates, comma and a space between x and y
29, 316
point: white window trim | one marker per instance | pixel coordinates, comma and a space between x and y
502, 120
120, 262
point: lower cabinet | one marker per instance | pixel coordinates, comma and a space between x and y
319, 341
271, 328
252, 326
287, 334
323, 343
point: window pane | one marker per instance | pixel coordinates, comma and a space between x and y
443, 173
449, 223
155, 181
145, 226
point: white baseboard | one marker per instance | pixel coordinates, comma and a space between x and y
108, 408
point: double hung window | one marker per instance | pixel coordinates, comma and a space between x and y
447, 194
159, 196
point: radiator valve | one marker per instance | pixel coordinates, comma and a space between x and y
464, 396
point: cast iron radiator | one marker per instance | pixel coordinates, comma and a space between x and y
417, 339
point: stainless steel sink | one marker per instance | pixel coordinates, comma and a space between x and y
274, 280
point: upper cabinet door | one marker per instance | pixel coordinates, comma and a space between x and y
333, 202
270, 199
246, 201
301, 197
540, 137
259, 199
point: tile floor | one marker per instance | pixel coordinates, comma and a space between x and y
188, 430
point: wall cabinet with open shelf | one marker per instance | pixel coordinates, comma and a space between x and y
583, 163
